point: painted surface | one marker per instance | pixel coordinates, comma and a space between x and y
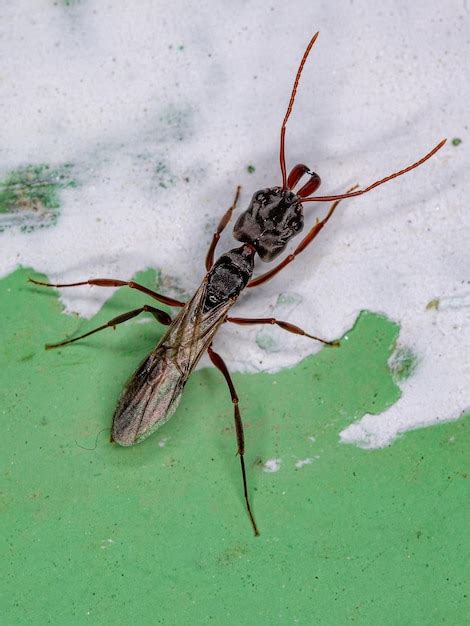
128, 132
125, 134
158, 533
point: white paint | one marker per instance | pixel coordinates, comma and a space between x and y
106, 543
272, 465
301, 462
89, 84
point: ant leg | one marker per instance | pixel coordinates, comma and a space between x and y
160, 316
313, 232
291, 328
112, 282
222, 224
220, 365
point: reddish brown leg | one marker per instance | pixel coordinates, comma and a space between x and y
222, 224
285, 325
313, 232
159, 315
112, 282
220, 365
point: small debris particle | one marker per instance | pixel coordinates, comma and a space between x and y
432, 304
250, 169
456, 141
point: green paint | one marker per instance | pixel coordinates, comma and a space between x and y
288, 299
402, 363
30, 196
250, 169
433, 304
267, 342
456, 141
159, 535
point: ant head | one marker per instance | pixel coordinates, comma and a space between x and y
272, 219
310, 186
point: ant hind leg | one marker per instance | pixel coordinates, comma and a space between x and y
220, 365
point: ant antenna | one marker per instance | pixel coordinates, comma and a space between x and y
377, 182
282, 157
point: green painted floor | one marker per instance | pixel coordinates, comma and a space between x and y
157, 534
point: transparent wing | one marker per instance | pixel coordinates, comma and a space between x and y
153, 392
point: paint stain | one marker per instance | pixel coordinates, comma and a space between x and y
30, 196
272, 465
269, 339
175, 123
163, 176
402, 363
230, 555
301, 462
433, 304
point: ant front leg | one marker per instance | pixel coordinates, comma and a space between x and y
218, 361
313, 232
222, 224
160, 316
291, 328
114, 282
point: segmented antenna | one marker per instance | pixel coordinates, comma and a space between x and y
282, 157
377, 182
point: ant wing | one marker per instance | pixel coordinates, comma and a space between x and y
153, 392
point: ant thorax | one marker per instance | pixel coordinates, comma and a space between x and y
272, 219
229, 276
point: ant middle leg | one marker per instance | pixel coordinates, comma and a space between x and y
160, 316
113, 282
291, 328
310, 236
222, 224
